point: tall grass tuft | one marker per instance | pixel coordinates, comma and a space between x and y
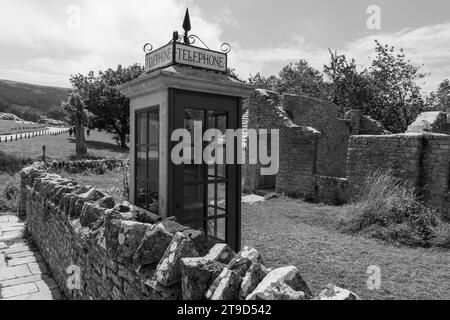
9, 192
389, 209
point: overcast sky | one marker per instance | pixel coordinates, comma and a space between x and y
44, 41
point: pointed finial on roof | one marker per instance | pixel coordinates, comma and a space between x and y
187, 26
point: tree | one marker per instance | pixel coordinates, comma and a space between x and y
440, 100
261, 82
57, 114
302, 79
351, 89
398, 99
110, 109
76, 108
231, 72
387, 90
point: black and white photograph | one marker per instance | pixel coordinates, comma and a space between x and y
221, 156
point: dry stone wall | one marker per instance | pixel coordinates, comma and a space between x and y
97, 249
97, 166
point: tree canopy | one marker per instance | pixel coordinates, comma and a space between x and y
109, 110
296, 78
440, 100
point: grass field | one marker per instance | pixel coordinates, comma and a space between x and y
62, 147
292, 232
11, 127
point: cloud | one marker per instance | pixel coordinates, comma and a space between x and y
110, 33
428, 45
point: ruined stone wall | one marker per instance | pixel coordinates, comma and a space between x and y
298, 151
330, 190
324, 117
370, 126
100, 250
264, 112
436, 122
422, 159
344, 151
399, 153
435, 171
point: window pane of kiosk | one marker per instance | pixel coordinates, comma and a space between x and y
193, 173
147, 159
141, 128
217, 171
217, 228
141, 194
153, 179
153, 127
141, 162
152, 197
193, 203
191, 116
217, 195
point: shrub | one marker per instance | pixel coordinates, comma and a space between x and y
12, 164
389, 209
9, 192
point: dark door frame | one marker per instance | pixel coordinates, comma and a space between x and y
215, 102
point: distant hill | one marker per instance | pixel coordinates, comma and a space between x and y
39, 99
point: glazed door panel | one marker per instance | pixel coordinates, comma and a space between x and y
206, 196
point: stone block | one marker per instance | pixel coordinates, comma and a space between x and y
282, 284
107, 202
161, 292
153, 245
226, 286
168, 271
331, 292
90, 214
255, 274
197, 276
199, 239
221, 252
244, 259
130, 237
